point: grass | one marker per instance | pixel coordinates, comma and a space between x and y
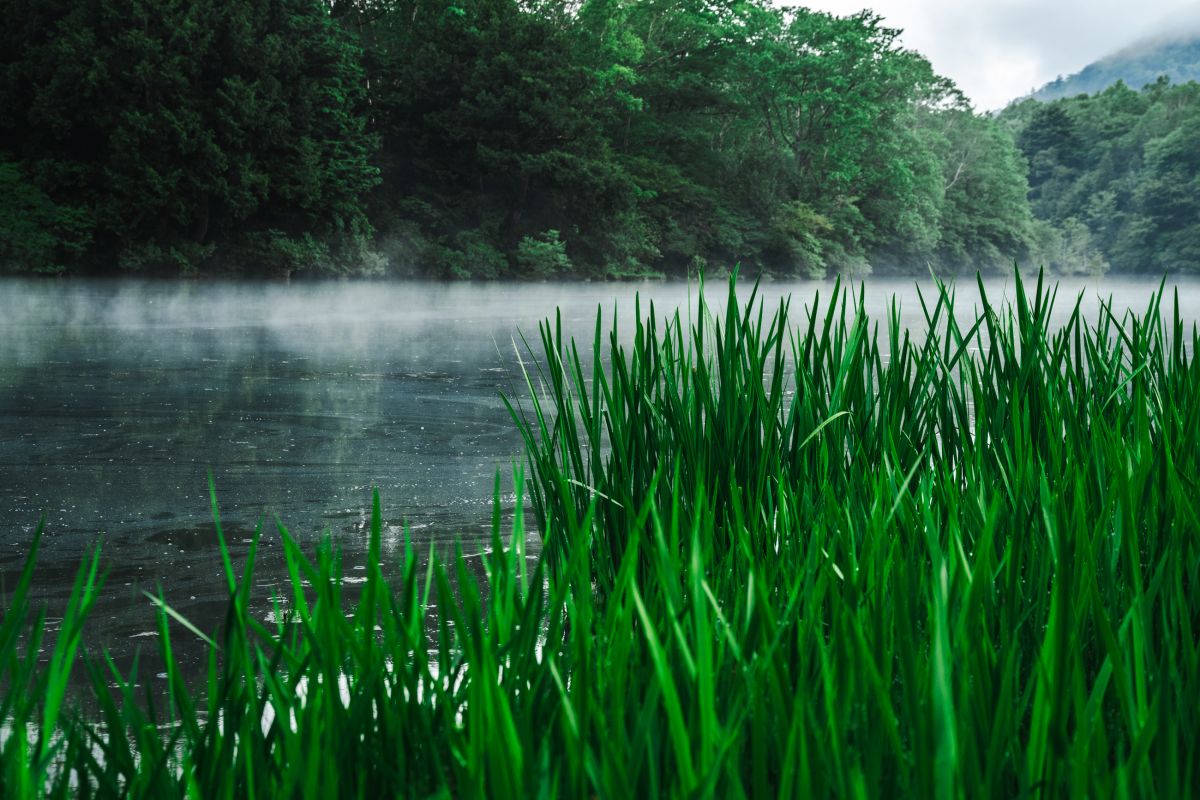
782, 557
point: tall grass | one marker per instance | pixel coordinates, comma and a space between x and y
781, 557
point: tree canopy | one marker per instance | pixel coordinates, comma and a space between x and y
183, 136
1116, 175
537, 138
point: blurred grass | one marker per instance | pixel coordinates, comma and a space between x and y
806, 556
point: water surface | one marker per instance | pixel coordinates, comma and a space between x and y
117, 398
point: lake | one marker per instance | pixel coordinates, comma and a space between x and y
118, 397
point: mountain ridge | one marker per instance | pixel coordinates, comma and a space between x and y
1175, 55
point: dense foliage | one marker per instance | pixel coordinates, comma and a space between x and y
956, 562
181, 136
1116, 176
503, 138
664, 136
545, 138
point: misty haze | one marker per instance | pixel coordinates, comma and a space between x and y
117, 399
599, 399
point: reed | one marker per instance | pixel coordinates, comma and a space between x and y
783, 555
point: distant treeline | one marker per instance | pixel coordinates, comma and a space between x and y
495, 138
1117, 176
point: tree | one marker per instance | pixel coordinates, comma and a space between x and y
36, 234
651, 136
986, 222
1122, 167
1170, 196
192, 131
491, 123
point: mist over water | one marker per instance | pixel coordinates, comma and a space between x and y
117, 398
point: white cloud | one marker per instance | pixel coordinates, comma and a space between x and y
997, 50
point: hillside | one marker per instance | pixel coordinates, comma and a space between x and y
489, 139
1177, 57
1115, 176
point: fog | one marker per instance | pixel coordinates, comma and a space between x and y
1000, 50
117, 398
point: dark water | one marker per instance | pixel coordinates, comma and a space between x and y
117, 398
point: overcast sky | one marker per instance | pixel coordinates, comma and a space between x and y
997, 50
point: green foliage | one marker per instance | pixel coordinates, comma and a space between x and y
1117, 173
1068, 249
985, 218
273, 252
652, 134
491, 121
956, 563
796, 241
471, 255
178, 128
787, 561
543, 256
36, 234
428, 137
480, 259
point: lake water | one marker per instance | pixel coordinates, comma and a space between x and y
117, 398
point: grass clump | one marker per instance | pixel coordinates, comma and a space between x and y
780, 558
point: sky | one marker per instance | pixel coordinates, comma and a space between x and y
999, 50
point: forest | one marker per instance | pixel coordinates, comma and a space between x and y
553, 138
1116, 176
